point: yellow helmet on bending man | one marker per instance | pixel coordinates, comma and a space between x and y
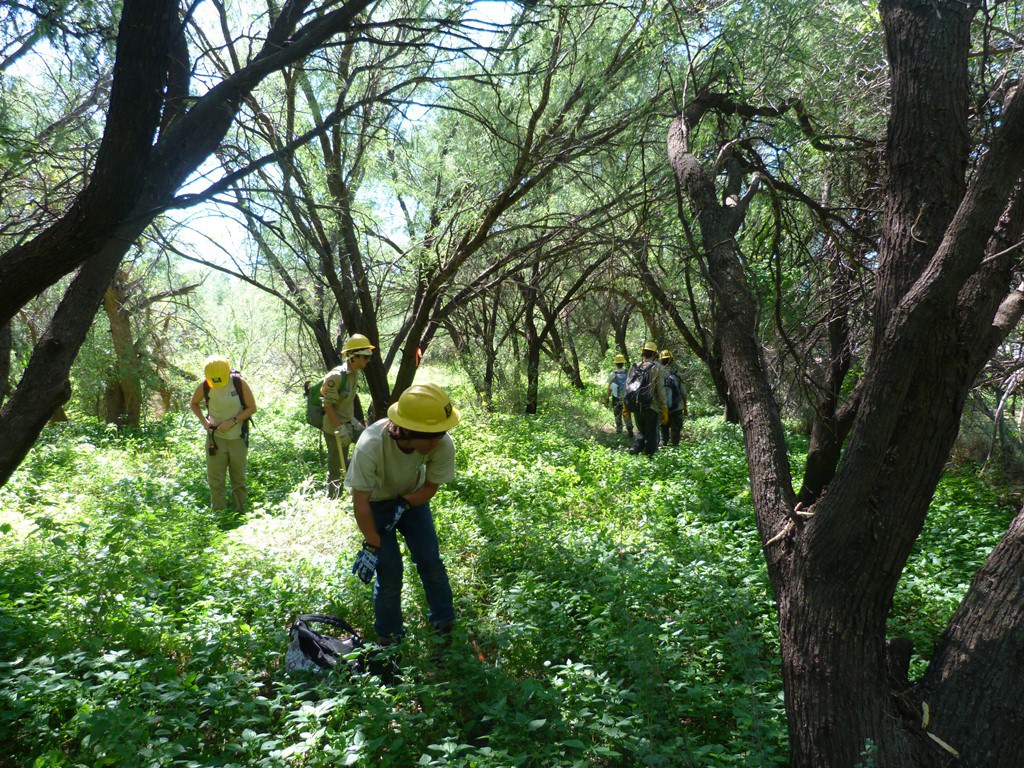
424, 408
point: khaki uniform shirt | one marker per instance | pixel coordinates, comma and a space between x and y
225, 405
379, 466
340, 397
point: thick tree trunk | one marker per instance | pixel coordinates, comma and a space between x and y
836, 565
974, 681
44, 387
620, 324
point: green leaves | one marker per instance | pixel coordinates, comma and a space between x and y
612, 609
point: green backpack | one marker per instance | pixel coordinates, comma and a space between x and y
314, 403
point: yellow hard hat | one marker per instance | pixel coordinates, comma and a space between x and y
650, 346
620, 358
666, 354
356, 343
218, 371
424, 408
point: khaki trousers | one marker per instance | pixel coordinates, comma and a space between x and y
230, 459
335, 453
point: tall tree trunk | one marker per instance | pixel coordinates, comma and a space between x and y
533, 341
620, 325
835, 566
123, 396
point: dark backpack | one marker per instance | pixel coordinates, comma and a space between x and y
309, 650
639, 387
315, 402
619, 381
236, 379
672, 393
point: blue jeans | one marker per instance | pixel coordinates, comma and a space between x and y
417, 528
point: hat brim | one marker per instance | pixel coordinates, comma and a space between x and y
423, 426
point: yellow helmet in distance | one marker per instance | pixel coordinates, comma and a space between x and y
424, 408
650, 346
620, 359
666, 354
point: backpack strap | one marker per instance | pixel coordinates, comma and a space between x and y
339, 369
236, 379
320, 618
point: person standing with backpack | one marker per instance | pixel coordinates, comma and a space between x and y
645, 400
226, 421
338, 396
615, 393
675, 399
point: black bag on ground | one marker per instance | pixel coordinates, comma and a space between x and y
309, 650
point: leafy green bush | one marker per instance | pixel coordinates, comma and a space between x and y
613, 609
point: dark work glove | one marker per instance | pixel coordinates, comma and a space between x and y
366, 563
401, 505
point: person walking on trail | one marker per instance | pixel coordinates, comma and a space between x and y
338, 395
229, 406
645, 400
614, 395
675, 399
397, 466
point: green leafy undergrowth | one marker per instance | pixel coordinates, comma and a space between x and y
613, 609
967, 517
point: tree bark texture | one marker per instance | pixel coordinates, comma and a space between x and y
942, 286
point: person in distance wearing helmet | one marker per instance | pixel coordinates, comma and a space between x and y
229, 404
338, 395
614, 394
650, 409
675, 399
397, 466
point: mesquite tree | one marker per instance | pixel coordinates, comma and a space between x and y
156, 135
945, 299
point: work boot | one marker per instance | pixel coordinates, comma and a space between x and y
385, 661
442, 642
